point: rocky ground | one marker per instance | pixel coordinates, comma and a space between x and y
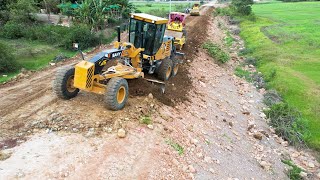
208, 125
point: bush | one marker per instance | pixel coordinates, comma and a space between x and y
7, 60
12, 30
271, 98
80, 34
250, 60
287, 123
294, 172
113, 21
243, 74
243, 7
223, 12
22, 11
216, 52
55, 35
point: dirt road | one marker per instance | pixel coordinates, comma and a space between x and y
199, 128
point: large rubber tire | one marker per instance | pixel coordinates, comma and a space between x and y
173, 52
165, 69
117, 93
184, 33
175, 68
63, 83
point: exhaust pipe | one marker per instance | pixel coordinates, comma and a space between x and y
118, 30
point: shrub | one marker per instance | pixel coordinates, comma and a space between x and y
258, 80
271, 98
223, 12
22, 11
12, 30
250, 60
243, 74
175, 146
80, 34
294, 171
243, 7
7, 60
216, 52
113, 21
245, 51
287, 123
146, 120
55, 35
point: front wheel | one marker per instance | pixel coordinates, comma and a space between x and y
116, 95
63, 83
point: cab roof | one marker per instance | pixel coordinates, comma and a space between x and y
178, 13
149, 18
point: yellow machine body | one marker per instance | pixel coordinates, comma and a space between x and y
195, 11
83, 76
175, 26
86, 80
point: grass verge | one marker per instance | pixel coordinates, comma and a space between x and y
216, 52
287, 46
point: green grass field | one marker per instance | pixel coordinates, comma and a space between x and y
32, 55
161, 8
286, 40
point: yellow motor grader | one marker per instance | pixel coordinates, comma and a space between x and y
195, 11
148, 51
176, 28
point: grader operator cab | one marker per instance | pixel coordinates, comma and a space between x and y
195, 11
148, 50
176, 28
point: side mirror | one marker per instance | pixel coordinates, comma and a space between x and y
75, 46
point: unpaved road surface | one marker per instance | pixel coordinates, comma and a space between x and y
202, 128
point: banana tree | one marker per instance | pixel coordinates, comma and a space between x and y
91, 12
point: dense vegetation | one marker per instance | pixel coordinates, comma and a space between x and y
19, 26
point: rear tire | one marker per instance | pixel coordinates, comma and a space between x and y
63, 83
165, 69
175, 68
184, 33
117, 93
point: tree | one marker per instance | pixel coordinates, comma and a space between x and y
22, 11
4, 10
242, 7
94, 12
